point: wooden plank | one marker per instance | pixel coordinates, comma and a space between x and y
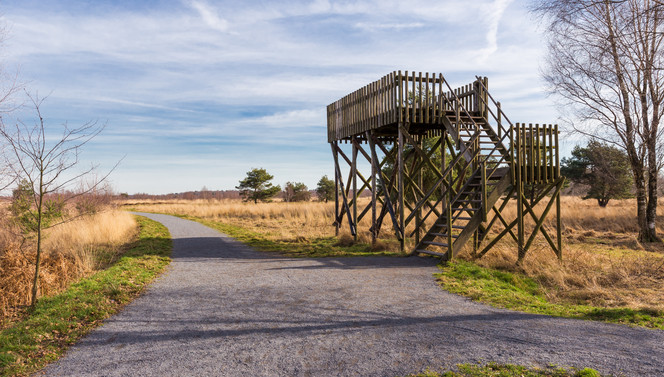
551, 146
403, 97
538, 171
428, 100
420, 99
557, 146
392, 104
531, 162
413, 110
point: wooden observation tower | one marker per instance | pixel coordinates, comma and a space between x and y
444, 164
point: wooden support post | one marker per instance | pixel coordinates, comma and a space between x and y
374, 164
520, 152
336, 192
559, 225
450, 240
355, 193
418, 219
400, 187
443, 161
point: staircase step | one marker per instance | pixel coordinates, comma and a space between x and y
434, 243
444, 235
429, 252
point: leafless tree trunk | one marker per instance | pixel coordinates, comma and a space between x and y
605, 64
47, 166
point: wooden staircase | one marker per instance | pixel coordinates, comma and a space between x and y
484, 175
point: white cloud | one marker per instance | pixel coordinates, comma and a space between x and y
209, 15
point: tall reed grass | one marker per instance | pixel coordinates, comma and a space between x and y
71, 251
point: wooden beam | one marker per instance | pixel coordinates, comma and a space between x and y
355, 193
400, 186
344, 197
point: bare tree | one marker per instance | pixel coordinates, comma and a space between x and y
45, 166
605, 65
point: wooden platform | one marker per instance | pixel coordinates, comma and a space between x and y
424, 101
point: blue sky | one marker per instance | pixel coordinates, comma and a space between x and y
197, 92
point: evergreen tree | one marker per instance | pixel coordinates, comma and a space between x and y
325, 189
256, 186
604, 168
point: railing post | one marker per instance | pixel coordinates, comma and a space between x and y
499, 120
458, 122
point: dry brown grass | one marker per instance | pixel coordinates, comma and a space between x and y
277, 220
71, 251
603, 263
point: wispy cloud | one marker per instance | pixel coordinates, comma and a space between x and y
141, 104
395, 26
209, 15
494, 14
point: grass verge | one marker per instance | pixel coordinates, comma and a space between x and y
58, 321
509, 370
518, 292
303, 248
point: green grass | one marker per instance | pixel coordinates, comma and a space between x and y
509, 370
518, 292
58, 321
309, 248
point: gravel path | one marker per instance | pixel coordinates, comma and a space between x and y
223, 309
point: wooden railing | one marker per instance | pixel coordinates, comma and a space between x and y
535, 153
401, 98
